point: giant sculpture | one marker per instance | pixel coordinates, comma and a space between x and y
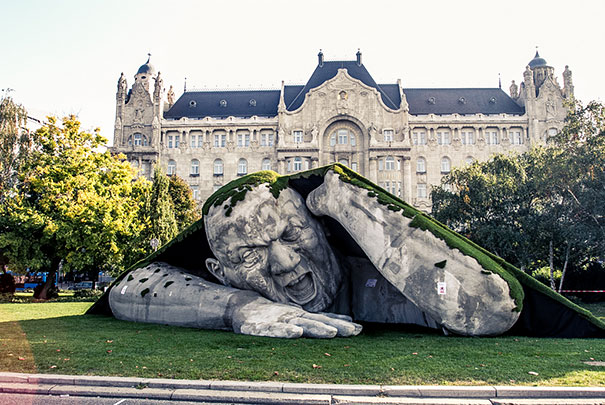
307, 255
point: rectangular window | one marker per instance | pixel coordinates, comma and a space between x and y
388, 135
419, 137
515, 137
193, 141
177, 139
443, 138
354, 166
467, 137
421, 188
298, 136
223, 140
266, 139
398, 189
380, 164
491, 137
200, 141
196, 192
243, 140
170, 142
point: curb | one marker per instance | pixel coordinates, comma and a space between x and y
251, 392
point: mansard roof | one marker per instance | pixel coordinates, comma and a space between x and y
328, 69
461, 101
225, 103
264, 103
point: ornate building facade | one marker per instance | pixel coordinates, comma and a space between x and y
403, 139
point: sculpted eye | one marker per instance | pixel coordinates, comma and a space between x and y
251, 256
291, 233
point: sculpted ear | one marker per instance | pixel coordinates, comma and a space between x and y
215, 268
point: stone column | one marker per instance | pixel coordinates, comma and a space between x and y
372, 173
406, 184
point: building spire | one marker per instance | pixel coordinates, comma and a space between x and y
148, 57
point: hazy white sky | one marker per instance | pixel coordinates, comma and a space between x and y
63, 56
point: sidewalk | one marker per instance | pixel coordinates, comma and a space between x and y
241, 392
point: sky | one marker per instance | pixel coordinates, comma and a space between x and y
64, 57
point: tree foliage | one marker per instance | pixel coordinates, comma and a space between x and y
162, 221
75, 206
543, 206
186, 210
16, 143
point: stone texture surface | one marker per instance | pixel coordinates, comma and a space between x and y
460, 296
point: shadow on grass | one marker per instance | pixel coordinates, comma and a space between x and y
91, 344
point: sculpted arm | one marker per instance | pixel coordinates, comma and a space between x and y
160, 293
451, 287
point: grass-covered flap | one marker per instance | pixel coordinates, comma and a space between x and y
190, 247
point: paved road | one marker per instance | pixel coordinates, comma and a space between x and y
27, 399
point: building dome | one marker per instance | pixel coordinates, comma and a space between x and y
147, 68
537, 61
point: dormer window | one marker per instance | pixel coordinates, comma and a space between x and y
492, 100
462, 100
223, 103
431, 100
252, 103
192, 103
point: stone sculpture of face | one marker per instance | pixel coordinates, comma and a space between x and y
274, 247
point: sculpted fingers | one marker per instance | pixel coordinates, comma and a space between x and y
337, 316
272, 329
314, 329
344, 327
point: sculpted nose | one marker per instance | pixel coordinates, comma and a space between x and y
282, 259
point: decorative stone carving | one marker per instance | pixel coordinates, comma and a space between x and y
170, 96
514, 90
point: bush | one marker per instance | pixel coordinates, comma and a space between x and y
88, 293
7, 284
543, 275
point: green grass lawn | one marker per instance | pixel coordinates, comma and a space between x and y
57, 338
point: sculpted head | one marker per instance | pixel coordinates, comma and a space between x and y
274, 247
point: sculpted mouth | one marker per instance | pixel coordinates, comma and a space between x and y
302, 289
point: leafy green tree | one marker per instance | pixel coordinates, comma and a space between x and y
75, 207
545, 205
16, 144
160, 208
186, 210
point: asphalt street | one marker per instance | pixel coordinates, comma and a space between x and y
28, 399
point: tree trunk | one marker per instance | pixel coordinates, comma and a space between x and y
551, 264
564, 267
50, 281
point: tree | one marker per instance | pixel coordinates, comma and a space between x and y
75, 207
545, 205
186, 210
162, 222
16, 143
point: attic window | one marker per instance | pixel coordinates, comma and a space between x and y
492, 100
431, 100
252, 103
462, 100
223, 103
192, 103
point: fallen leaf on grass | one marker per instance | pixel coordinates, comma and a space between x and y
414, 353
275, 373
66, 359
532, 373
109, 351
21, 358
327, 354
53, 367
58, 350
109, 341
347, 365
316, 366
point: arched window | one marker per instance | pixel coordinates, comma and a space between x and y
344, 162
218, 167
389, 163
195, 167
297, 164
266, 165
445, 164
171, 171
469, 160
242, 167
421, 165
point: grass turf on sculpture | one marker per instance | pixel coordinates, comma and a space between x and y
397, 275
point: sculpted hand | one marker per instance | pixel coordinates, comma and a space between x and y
261, 317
